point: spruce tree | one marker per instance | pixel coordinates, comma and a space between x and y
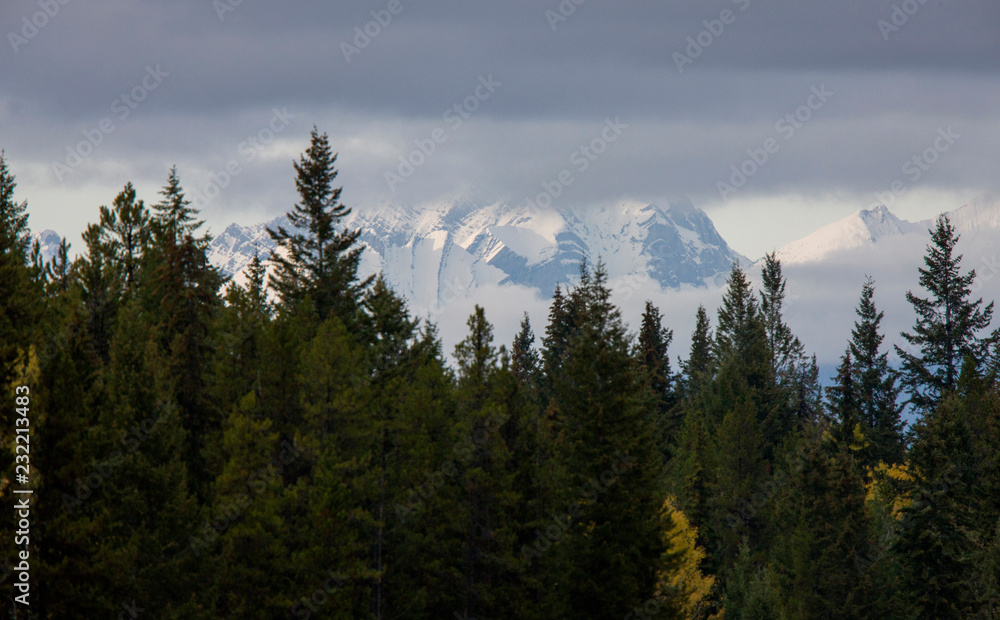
821, 528
314, 258
699, 366
18, 290
787, 352
947, 326
875, 383
124, 235
524, 359
486, 479
741, 333
654, 357
843, 402
174, 215
180, 296
612, 546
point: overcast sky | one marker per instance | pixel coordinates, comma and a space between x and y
96, 94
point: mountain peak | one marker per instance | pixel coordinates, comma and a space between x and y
427, 253
862, 228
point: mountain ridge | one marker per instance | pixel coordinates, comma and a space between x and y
460, 245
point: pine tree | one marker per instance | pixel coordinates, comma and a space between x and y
524, 359
612, 546
744, 365
489, 564
180, 296
875, 383
787, 352
698, 369
738, 468
937, 540
653, 354
174, 215
947, 325
843, 402
822, 531
318, 261
124, 235
18, 290
741, 334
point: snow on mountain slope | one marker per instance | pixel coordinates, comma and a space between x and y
861, 229
866, 228
978, 216
446, 250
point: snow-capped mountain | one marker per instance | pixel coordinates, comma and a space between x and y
863, 228
48, 242
867, 227
449, 249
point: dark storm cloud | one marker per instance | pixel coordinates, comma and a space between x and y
603, 56
702, 85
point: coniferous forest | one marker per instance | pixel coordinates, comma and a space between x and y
302, 447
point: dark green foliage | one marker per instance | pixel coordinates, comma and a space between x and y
699, 366
652, 351
199, 454
787, 351
18, 289
843, 402
948, 323
174, 217
875, 387
822, 533
315, 259
605, 443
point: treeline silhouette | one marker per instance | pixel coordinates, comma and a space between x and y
301, 447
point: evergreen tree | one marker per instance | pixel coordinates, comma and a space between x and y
654, 359
124, 235
315, 258
822, 531
180, 295
174, 216
612, 546
525, 361
947, 325
787, 352
489, 565
18, 292
698, 368
741, 334
875, 383
844, 405
937, 542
